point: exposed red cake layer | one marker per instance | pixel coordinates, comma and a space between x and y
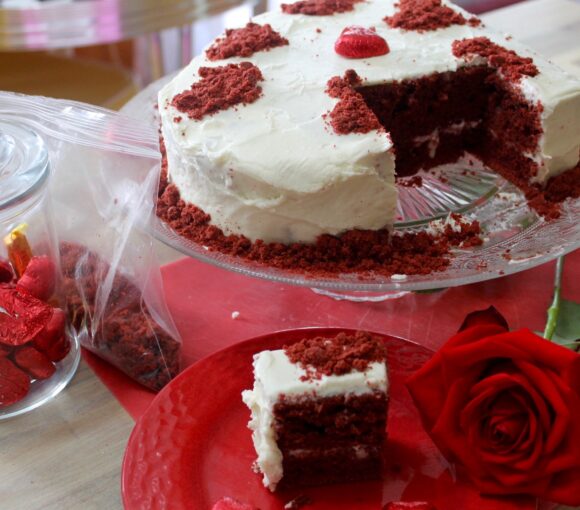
469, 110
243, 42
415, 108
220, 88
329, 467
351, 114
508, 62
338, 355
331, 422
331, 439
426, 15
319, 7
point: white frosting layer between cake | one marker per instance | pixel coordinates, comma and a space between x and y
275, 170
274, 376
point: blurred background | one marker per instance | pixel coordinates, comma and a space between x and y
104, 51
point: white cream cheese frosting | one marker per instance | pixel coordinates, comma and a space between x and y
275, 170
276, 376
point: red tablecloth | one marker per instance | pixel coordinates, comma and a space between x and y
202, 299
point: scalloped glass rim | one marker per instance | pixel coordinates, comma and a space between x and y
501, 209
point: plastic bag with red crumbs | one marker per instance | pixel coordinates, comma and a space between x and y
105, 177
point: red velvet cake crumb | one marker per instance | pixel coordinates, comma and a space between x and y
336, 356
319, 7
351, 114
508, 62
426, 15
220, 88
243, 42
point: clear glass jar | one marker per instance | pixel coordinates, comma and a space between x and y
32, 334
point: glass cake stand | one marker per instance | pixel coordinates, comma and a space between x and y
515, 237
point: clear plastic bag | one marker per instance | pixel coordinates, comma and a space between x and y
105, 174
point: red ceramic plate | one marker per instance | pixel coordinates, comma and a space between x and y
192, 446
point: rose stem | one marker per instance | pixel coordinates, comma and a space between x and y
554, 309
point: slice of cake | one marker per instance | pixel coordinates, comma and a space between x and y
319, 411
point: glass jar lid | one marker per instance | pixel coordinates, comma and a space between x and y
23, 163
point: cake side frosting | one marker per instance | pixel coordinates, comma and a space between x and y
276, 170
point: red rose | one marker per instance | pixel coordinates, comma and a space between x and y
506, 405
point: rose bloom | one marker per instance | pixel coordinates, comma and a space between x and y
505, 405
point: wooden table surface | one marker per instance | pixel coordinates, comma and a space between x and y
67, 454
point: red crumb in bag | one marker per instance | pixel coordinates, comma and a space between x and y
39, 278
14, 383
6, 273
36, 364
22, 316
52, 334
127, 335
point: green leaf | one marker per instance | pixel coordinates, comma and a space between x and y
567, 331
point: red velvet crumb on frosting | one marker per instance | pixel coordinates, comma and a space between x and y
426, 15
351, 114
337, 355
243, 42
511, 66
220, 88
319, 7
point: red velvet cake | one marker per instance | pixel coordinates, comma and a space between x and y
319, 411
285, 138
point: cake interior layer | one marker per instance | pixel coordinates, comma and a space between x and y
333, 465
433, 120
337, 421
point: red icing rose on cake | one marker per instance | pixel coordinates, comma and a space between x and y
220, 88
360, 42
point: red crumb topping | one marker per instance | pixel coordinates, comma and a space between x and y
426, 15
220, 88
411, 182
364, 252
510, 64
319, 7
336, 356
547, 201
351, 114
243, 42
468, 237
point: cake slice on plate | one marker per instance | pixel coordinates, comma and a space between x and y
319, 411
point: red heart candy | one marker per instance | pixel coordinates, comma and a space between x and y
360, 42
39, 278
6, 273
36, 364
14, 383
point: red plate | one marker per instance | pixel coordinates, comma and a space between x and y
192, 446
